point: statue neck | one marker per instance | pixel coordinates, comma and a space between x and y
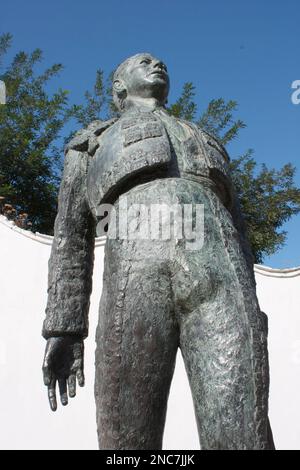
142, 104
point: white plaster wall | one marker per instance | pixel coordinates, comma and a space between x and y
25, 419
279, 296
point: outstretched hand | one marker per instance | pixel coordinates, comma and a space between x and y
63, 363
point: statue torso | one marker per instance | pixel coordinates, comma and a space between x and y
145, 146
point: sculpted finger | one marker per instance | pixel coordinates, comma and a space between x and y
80, 378
47, 375
72, 385
62, 384
52, 395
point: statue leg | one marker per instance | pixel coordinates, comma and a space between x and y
223, 338
137, 340
227, 376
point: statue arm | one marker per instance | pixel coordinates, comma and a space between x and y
69, 282
235, 206
240, 225
238, 219
72, 255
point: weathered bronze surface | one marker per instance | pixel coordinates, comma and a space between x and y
158, 295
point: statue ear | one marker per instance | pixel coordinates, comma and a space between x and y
120, 92
119, 86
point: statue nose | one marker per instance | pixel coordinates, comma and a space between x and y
159, 64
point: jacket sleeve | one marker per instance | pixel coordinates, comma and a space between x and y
240, 225
235, 208
72, 255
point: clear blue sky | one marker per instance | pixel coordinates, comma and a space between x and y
246, 51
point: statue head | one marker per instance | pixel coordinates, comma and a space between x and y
141, 76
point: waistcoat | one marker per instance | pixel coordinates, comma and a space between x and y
143, 146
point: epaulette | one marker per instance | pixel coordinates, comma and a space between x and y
85, 140
213, 142
208, 138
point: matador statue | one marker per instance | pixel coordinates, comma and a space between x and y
157, 295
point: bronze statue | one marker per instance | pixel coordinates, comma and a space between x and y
157, 294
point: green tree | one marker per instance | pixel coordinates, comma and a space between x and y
97, 104
269, 198
30, 123
185, 107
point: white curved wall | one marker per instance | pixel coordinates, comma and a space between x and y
25, 420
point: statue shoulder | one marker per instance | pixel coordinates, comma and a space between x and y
85, 140
208, 139
212, 141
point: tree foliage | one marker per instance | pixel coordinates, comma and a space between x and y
95, 102
218, 120
30, 123
185, 107
269, 198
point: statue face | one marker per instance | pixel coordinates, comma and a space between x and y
146, 77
